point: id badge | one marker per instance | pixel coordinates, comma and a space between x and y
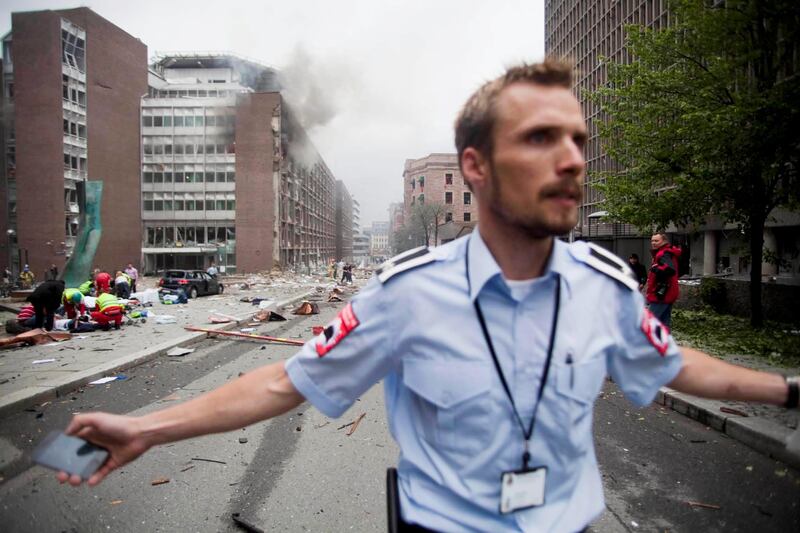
522, 489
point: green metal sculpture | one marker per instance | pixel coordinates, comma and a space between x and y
79, 266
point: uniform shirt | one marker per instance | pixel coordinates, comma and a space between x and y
446, 405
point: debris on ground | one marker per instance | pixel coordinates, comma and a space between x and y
704, 505
353, 425
215, 332
36, 336
108, 379
306, 308
244, 524
265, 315
731, 411
179, 351
208, 460
160, 481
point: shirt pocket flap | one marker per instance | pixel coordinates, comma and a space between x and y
581, 380
446, 384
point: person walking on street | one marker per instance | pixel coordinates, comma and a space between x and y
132, 273
639, 271
46, 298
662, 280
27, 277
500, 329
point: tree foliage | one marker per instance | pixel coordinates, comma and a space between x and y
421, 228
704, 120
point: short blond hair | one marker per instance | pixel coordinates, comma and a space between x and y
475, 123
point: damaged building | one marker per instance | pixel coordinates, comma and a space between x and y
200, 156
344, 223
69, 68
228, 173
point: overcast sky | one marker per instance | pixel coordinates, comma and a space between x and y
393, 74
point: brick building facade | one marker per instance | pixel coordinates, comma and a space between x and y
69, 67
437, 179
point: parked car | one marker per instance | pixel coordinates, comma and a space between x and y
194, 282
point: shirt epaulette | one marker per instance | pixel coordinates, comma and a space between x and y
404, 261
612, 266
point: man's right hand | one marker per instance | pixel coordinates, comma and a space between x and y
120, 435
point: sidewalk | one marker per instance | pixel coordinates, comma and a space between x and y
765, 428
87, 357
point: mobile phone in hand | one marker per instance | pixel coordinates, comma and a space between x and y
70, 454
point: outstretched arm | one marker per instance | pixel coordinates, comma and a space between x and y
705, 376
258, 395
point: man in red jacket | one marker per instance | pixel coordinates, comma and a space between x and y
662, 280
102, 281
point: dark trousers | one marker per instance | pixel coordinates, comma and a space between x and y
662, 311
122, 289
44, 316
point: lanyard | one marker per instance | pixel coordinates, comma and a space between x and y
526, 432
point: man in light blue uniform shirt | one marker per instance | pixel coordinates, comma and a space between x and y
493, 348
447, 408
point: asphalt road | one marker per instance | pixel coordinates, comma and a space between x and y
301, 472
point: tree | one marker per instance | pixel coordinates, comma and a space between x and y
703, 121
403, 239
426, 217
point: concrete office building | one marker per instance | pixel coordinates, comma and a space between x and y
585, 30
379, 241
344, 223
228, 174
75, 69
396, 216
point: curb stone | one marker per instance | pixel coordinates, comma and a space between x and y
762, 435
59, 387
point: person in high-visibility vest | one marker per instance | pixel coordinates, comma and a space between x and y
108, 309
86, 287
72, 299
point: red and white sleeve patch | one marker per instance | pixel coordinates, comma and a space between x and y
656, 332
345, 322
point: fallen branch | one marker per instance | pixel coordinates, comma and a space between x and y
212, 332
733, 411
355, 424
704, 505
208, 460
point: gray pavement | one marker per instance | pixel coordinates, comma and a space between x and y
85, 358
89, 356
